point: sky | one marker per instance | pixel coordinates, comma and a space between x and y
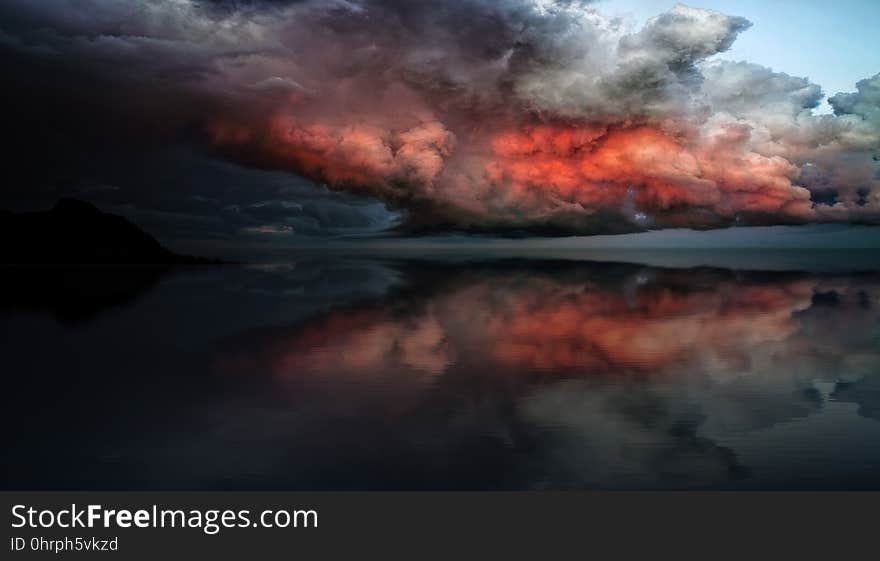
246, 121
833, 44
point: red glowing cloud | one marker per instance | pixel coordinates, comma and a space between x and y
587, 130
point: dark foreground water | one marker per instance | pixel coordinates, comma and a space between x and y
352, 372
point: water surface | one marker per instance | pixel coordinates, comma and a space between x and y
476, 372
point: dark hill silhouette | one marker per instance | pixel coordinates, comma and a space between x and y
77, 232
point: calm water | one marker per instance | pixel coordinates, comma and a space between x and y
476, 372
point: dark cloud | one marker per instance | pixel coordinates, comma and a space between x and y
464, 114
180, 194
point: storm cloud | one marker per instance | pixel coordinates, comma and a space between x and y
465, 114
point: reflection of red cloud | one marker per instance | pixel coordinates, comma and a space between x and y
364, 343
357, 344
605, 330
536, 323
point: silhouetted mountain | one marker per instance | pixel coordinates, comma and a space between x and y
76, 232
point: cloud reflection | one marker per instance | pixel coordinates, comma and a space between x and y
560, 375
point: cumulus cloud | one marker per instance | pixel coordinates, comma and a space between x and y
472, 114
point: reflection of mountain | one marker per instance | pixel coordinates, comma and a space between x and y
76, 232
74, 294
598, 374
